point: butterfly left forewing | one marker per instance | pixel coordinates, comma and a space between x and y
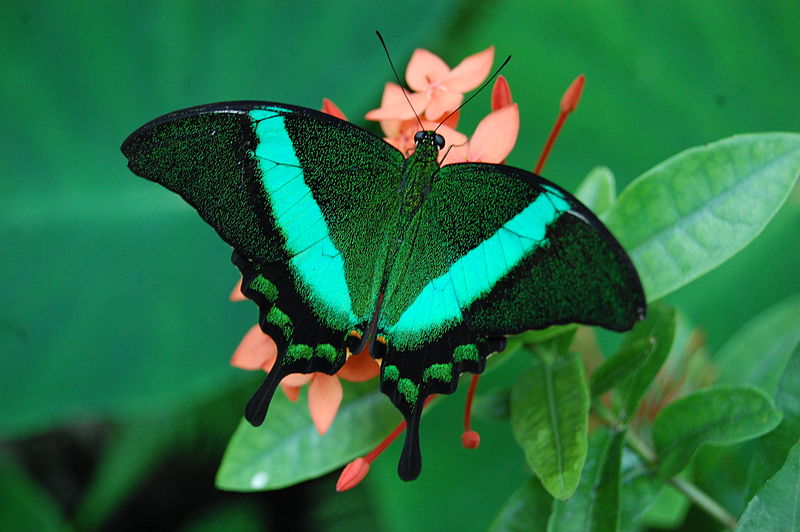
290, 189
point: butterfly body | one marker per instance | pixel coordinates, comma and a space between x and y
344, 242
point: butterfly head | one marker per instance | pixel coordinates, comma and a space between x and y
429, 138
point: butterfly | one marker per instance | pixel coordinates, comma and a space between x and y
344, 244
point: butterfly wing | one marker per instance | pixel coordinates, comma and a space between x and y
497, 251
303, 199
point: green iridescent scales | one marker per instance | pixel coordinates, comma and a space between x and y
342, 242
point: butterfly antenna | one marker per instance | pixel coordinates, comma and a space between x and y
485, 83
391, 64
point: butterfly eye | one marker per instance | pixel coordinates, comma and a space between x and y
419, 136
439, 141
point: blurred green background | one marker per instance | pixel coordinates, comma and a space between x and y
115, 329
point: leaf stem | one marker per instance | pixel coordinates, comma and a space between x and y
695, 494
701, 499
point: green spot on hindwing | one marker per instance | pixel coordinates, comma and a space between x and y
409, 389
440, 372
264, 286
298, 351
466, 352
302, 351
391, 373
276, 317
326, 351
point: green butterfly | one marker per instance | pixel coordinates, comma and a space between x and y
345, 243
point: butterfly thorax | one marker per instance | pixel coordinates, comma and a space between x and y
419, 173
420, 169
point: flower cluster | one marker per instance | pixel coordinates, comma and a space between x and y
438, 93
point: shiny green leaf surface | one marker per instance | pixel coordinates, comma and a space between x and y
659, 331
549, 417
776, 506
594, 507
692, 212
771, 449
758, 352
287, 449
718, 416
598, 191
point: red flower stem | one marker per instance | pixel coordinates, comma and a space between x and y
385, 443
569, 101
468, 408
373, 454
562, 116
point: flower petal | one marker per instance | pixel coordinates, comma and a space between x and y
501, 94
451, 122
451, 136
297, 380
332, 109
471, 71
456, 146
358, 368
424, 69
236, 293
291, 392
255, 350
324, 397
458, 153
495, 136
398, 108
442, 103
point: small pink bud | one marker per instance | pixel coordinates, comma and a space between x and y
572, 95
501, 94
330, 108
470, 439
353, 474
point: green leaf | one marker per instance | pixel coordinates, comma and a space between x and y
287, 449
645, 499
598, 191
669, 508
694, 211
659, 330
771, 449
776, 506
24, 505
640, 492
594, 507
555, 333
718, 416
758, 352
526, 509
621, 365
549, 417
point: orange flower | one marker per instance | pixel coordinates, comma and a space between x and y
493, 140
332, 109
437, 89
258, 351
